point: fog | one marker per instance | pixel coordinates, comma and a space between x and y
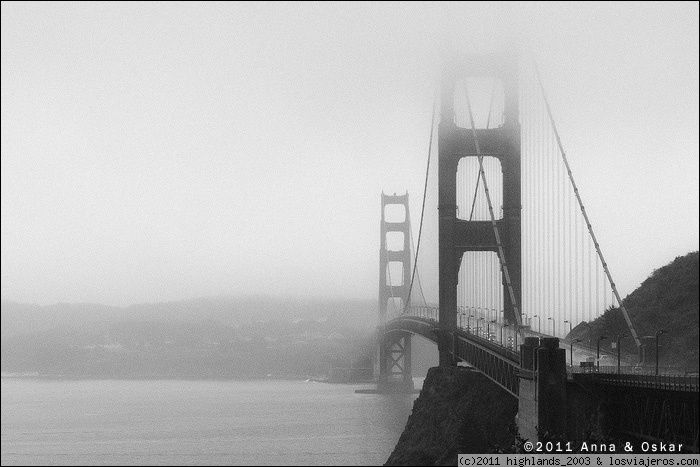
163, 151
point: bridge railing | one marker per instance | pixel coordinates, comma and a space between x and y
626, 369
426, 312
503, 350
678, 382
496, 334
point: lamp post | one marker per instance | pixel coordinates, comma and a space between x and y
488, 329
539, 322
658, 333
619, 336
554, 330
477, 326
571, 352
567, 321
501, 334
597, 354
469, 322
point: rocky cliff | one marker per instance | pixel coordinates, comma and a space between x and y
459, 411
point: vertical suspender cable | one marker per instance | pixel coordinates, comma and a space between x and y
597, 285
550, 225
569, 243
585, 216
560, 243
590, 280
542, 213
562, 251
526, 205
576, 278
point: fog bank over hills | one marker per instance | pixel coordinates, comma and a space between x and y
212, 337
21, 318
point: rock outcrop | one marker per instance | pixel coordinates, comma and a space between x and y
459, 411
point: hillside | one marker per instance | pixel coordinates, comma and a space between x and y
20, 318
206, 337
668, 300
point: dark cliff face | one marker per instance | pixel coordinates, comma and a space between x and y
459, 411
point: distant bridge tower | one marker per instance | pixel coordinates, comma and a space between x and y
394, 347
458, 236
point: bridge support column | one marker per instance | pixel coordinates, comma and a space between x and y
458, 234
394, 348
395, 363
542, 408
446, 348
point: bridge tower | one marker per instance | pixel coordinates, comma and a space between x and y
395, 347
458, 236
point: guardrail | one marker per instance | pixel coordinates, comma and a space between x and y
690, 383
504, 351
629, 370
426, 312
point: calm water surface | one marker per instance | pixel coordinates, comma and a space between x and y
197, 422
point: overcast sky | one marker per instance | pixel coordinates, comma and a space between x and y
160, 151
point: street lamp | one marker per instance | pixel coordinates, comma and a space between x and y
539, 322
554, 330
571, 352
477, 326
619, 336
567, 321
469, 321
488, 329
658, 333
597, 356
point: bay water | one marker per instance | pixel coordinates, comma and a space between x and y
197, 422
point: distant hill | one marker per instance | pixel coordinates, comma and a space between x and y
204, 337
21, 318
668, 300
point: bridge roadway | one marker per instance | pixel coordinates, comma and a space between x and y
498, 363
503, 366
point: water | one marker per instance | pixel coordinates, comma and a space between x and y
159, 422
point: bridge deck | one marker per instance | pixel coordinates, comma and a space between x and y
502, 364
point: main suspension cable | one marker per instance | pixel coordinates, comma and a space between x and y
420, 286
422, 211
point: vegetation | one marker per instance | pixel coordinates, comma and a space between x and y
667, 300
